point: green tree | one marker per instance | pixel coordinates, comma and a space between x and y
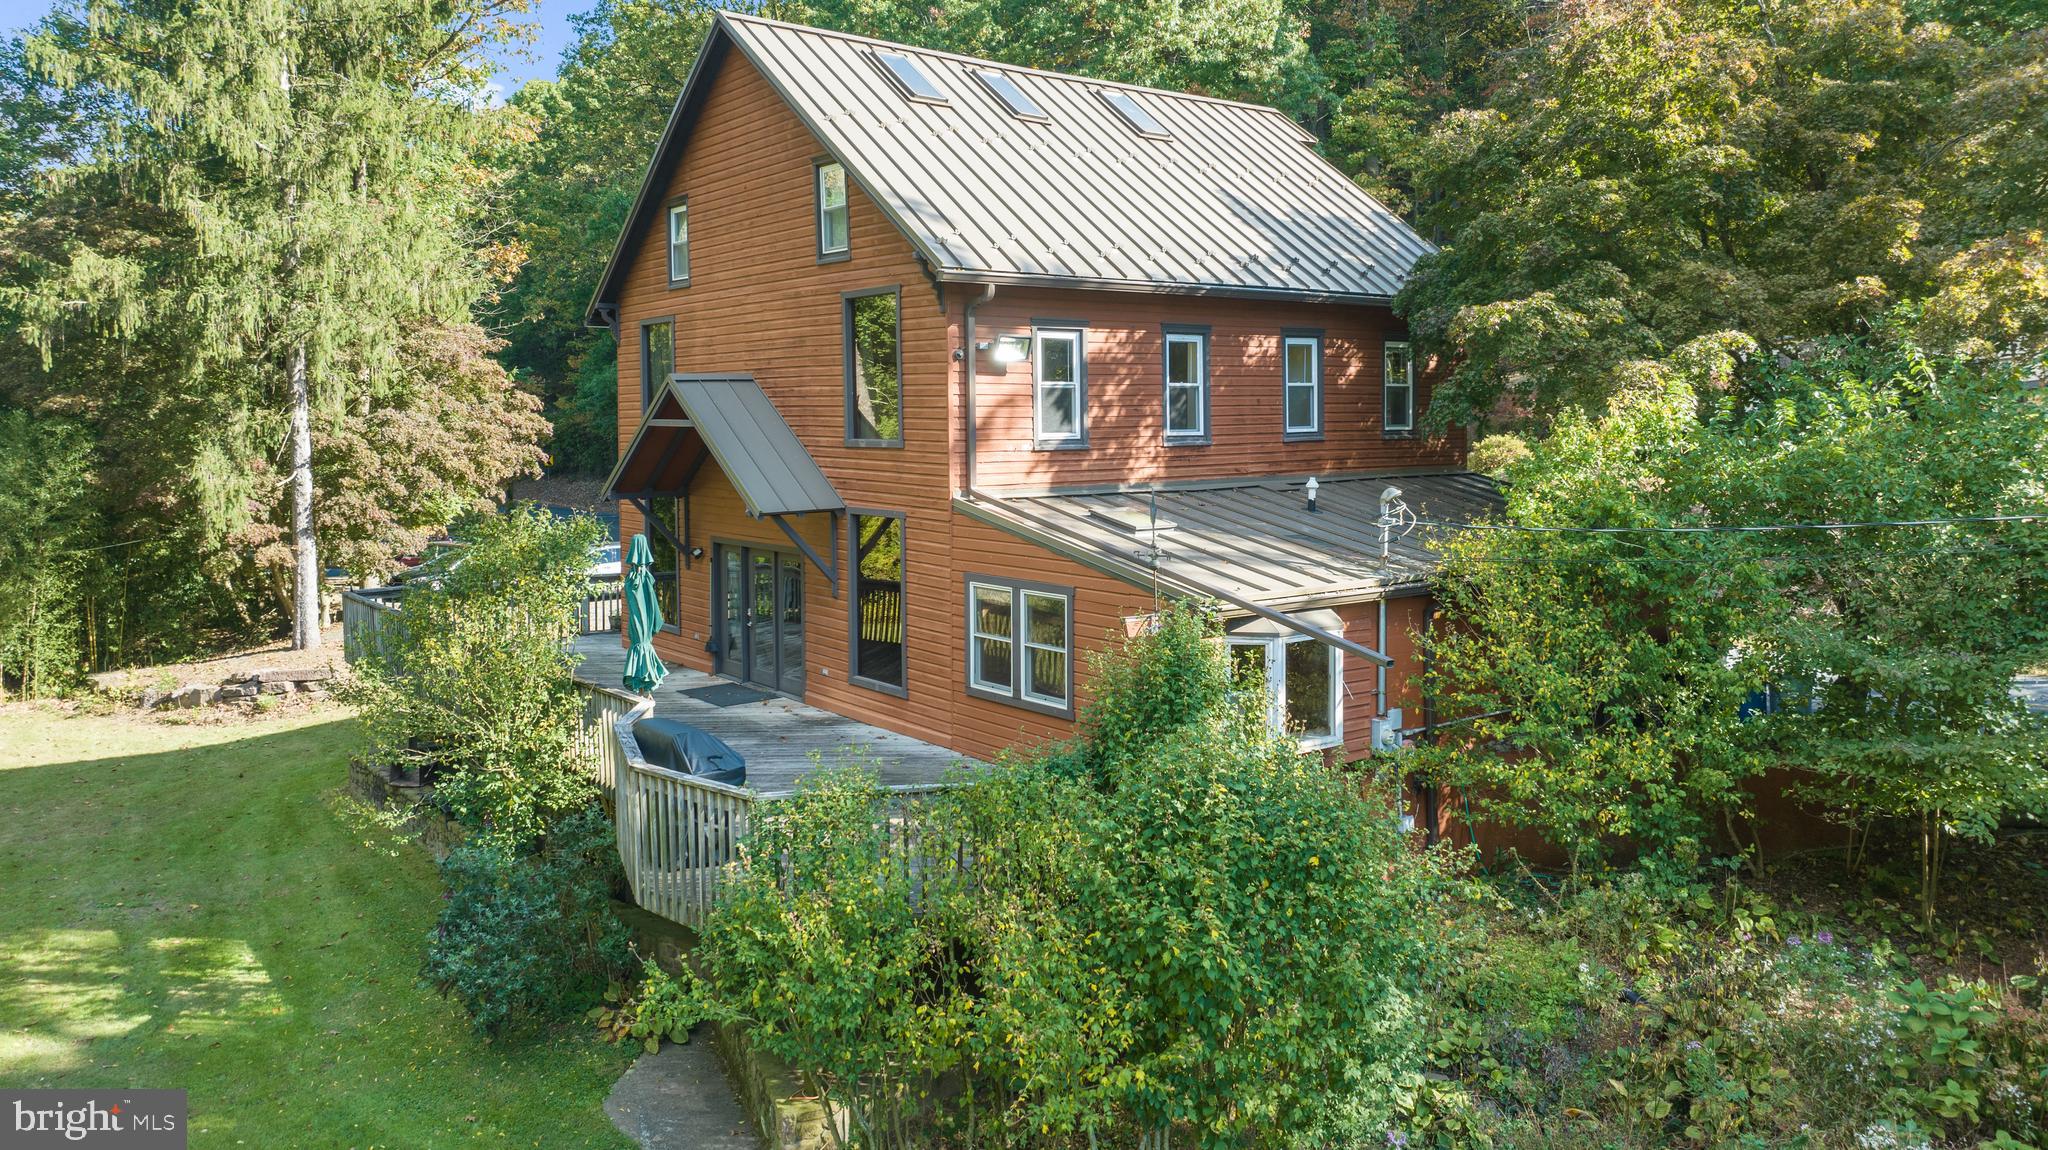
476, 686
45, 525
1589, 675
1651, 173
314, 153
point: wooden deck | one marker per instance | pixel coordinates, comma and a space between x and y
782, 739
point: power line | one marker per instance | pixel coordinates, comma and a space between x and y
1731, 529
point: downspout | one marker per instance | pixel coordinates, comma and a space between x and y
970, 356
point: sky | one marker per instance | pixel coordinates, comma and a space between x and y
551, 18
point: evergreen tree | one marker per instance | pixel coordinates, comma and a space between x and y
317, 154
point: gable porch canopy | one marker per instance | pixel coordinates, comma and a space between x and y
728, 420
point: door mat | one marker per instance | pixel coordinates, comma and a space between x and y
727, 694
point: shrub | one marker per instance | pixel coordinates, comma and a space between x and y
527, 938
477, 682
1205, 931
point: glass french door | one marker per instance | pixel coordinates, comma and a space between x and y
760, 601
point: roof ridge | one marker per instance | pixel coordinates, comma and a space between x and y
961, 57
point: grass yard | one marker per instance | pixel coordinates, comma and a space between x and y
185, 908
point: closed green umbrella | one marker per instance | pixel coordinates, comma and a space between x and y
643, 618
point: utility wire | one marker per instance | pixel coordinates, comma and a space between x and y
1720, 529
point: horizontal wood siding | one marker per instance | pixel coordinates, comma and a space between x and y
1126, 383
759, 302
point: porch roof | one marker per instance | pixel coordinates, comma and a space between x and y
736, 424
1253, 542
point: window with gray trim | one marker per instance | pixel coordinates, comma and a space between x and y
1398, 392
657, 357
1302, 366
1020, 643
1187, 386
878, 628
679, 242
834, 229
1057, 370
874, 368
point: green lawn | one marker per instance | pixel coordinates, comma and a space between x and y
183, 908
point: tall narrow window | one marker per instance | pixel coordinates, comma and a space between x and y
657, 358
878, 601
1399, 389
1020, 643
1057, 372
1302, 356
1045, 647
833, 235
679, 243
992, 645
874, 370
1187, 386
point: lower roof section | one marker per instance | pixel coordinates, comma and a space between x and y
1253, 543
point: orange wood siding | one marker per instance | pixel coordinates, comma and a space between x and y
1126, 428
759, 302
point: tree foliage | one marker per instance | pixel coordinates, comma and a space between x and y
1651, 173
1613, 668
1211, 932
476, 682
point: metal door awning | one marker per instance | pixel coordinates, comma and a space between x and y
729, 420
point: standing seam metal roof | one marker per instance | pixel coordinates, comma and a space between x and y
1237, 201
746, 436
1256, 539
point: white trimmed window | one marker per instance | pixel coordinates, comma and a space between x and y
679, 242
1302, 683
1056, 371
1399, 388
1187, 385
833, 234
1020, 643
1302, 365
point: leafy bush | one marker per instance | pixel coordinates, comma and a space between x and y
477, 683
1550, 1027
1205, 931
528, 938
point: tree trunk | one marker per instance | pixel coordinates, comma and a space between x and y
305, 551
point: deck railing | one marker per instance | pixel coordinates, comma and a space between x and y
368, 615
676, 832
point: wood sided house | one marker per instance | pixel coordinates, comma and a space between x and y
934, 372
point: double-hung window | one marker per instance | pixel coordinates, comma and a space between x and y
679, 242
1059, 388
833, 235
1301, 358
1398, 392
657, 357
1187, 386
1298, 683
874, 368
1020, 643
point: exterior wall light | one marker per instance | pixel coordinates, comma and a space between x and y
1011, 349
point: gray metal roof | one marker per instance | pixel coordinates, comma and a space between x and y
738, 425
1235, 201
1252, 540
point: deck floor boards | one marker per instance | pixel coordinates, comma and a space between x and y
781, 739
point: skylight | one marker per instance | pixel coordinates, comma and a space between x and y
1135, 115
910, 77
1012, 96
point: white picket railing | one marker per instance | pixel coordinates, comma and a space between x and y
676, 832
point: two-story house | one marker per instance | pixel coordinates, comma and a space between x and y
935, 374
